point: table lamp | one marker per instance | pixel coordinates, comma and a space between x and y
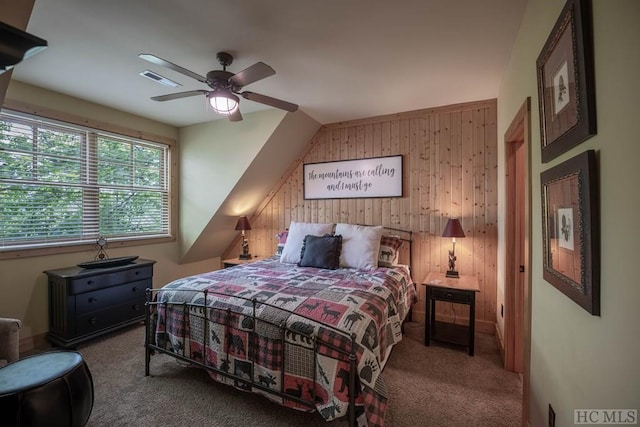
243, 224
453, 229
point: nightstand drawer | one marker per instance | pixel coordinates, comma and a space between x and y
452, 295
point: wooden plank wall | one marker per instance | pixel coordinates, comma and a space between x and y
450, 169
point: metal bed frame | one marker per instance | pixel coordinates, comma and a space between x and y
204, 313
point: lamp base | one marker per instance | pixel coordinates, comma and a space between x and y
244, 256
453, 274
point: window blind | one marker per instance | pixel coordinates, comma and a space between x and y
65, 184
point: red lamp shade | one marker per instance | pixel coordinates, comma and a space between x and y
243, 224
453, 228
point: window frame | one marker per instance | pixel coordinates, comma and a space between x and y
172, 164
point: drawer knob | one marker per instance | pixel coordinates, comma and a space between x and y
89, 282
136, 273
449, 294
134, 289
93, 320
92, 300
136, 307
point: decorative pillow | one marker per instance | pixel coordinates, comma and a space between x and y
295, 238
282, 239
389, 246
321, 252
360, 245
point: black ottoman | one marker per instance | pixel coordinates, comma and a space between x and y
48, 389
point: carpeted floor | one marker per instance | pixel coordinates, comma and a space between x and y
428, 386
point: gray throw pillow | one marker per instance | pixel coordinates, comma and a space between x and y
321, 251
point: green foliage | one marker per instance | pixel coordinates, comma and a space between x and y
50, 189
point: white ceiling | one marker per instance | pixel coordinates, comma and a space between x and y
338, 59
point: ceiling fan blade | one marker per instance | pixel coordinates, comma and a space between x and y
159, 61
257, 71
179, 95
236, 116
274, 102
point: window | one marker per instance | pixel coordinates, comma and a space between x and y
63, 184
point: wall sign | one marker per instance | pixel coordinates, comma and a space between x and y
349, 179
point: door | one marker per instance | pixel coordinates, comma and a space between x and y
517, 288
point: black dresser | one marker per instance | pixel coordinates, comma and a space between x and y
86, 303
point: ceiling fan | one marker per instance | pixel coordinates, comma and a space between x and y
224, 85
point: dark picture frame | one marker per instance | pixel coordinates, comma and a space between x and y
571, 230
566, 86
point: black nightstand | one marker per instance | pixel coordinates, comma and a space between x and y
460, 291
237, 261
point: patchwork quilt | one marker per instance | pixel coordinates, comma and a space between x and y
301, 351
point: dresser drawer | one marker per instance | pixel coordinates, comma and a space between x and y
107, 297
91, 283
128, 312
453, 295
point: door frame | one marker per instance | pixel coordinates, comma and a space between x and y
518, 133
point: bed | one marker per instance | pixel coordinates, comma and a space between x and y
313, 334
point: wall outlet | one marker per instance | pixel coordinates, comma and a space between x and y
501, 310
552, 416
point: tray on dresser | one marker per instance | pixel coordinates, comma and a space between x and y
109, 262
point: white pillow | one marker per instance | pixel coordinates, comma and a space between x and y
360, 245
295, 238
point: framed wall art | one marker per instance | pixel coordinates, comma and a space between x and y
566, 88
570, 228
349, 179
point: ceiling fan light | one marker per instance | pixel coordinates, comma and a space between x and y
223, 102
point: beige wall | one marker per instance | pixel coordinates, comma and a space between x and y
55, 101
579, 360
205, 181
23, 286
228, 168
